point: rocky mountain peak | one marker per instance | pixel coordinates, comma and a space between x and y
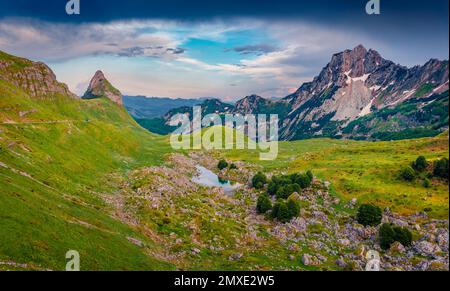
101, 87
356, 62
249, 104
355, 83
35, 78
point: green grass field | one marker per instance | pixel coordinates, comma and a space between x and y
368, 171
55, 161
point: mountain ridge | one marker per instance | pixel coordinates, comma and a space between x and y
355, 83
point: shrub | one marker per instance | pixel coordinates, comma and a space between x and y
283, 214
386, 236
276, 208
420, 164
407, 174
369, 215
441, 168
301, 179
402, 235
264, 204
259, 180
284, 192
272, 188
426, 183
281, 211
389, 234
222, 164
281, 193
295, 188
293, 207
305, 181
233, 167
310, 175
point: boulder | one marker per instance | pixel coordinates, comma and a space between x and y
397, 247
426, 248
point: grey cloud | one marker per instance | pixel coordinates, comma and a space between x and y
176, 51
259, 49
150, 51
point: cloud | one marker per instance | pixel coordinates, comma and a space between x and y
259, 49
60, 42
277, 58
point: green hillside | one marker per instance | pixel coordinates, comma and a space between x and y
57, 156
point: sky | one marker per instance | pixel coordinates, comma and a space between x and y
224, 49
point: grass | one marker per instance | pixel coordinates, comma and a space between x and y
51, 175
365, 170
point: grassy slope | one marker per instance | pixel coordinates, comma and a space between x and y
366, 170
39, 224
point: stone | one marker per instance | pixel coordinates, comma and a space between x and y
344, 242
341, 263
442, 238
426, 248
295, 197
135, 241
235, 257
195, 251
397, 247
306, 259
423, 265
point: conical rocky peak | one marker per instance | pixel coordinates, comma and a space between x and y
101, 87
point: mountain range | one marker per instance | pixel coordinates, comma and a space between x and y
143, 107
357, 95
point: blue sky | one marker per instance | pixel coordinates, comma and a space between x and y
227, 49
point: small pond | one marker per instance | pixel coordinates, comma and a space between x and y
207, 178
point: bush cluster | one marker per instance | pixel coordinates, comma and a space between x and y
264, 204
388, 234
440, 168
408, 174
224, 164
369, 215
283, 186
284, 209
420, 164
259, 180
418, 169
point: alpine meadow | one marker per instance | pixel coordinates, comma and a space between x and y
88, 164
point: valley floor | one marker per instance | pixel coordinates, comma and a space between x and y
154, 217
206, 229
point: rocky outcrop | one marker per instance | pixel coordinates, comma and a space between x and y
35, 78
100, 87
